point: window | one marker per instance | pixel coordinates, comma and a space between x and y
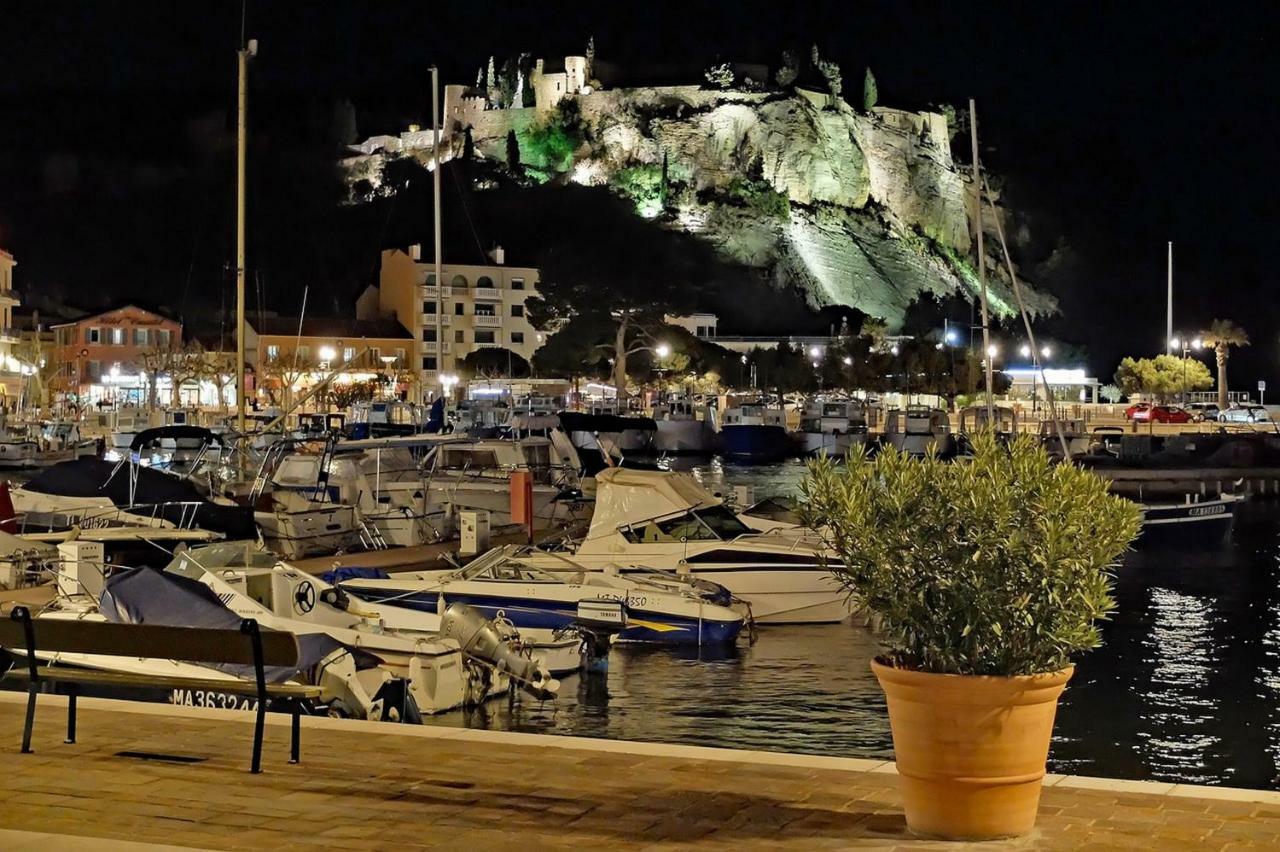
517, 310
484, 336
428, 335
375, 355
517, 337
95, 370
273, 352
484, 281
117, 337
95, 335
431, 282
429, 362
457, 308
459, 336
459, 281
162, 338
304, 354
428, 307
399, 356
483, 309
517, 283
140, 337
348, 353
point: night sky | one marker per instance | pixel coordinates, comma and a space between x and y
1116, 127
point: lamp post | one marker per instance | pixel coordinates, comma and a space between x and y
1186, 345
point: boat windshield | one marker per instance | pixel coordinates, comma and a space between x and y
509, 571
193, 563
712, 523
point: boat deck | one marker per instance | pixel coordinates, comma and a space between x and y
378, 786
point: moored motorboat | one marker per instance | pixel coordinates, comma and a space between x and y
755, 432
542, 591
831, 426
1194, 521
684, 427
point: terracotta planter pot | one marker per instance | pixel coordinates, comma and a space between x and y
971, 751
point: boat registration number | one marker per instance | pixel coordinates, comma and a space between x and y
1207, 510
628, 600
219, 700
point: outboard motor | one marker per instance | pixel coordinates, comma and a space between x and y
481, 638
599, 620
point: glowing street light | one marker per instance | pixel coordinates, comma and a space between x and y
993, 351
1024, 351
662, 350
848, 362
893, 350
949, 337
1045, 351
815, 352
327, 353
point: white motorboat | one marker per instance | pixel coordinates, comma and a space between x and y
755, 431
444, 669
128, 422
831, 426
465, 474
684, 427
669, 522
919, 428
17, 451
540, 594
60, 441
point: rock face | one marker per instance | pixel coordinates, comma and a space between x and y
865, 209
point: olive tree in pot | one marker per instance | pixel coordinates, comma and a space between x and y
983, 578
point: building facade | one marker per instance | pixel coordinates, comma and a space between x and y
12, 378
103, 357
477, 307
289, 356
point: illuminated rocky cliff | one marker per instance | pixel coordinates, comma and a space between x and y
851, 207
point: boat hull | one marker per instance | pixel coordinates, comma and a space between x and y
1203, 523
833, 444
646, 625
683, 436
761, 443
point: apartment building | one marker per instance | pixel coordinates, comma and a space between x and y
11, 376
102, 355
476, 306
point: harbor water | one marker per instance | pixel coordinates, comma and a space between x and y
1185, 688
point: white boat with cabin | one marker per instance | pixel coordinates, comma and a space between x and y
831, 426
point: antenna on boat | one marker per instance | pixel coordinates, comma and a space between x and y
982, 263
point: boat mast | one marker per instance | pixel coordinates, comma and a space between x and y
247, 50
435, 190
982, 266
1168, 316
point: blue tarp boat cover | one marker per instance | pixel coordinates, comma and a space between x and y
340, 575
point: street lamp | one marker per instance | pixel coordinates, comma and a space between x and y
1186, 345
1024, 351
662, 350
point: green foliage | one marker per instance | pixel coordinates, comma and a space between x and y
513, 152
870, 94
1111, 393
1163, 376
493, 362
720, 76
645, 187
999, 566
760, 196
552, 141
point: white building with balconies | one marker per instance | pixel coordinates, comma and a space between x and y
472, 307
12, 376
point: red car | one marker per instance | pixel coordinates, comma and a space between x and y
1131, 411
1161, 414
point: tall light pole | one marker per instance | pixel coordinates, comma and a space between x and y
982, 264
435, 192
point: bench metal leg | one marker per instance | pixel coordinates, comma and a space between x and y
31, 718
258, 725
294, 745
71, 716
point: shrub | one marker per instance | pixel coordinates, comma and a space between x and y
760, 196
998, 566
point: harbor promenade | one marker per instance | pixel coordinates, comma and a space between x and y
184, 782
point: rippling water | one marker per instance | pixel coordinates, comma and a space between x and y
1186, 688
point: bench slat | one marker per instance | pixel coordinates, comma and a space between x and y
185, 644
91, 676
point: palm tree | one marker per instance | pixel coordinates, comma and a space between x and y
1221, 336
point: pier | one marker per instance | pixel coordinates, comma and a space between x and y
155, 774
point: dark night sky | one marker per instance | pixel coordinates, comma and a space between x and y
1117, 126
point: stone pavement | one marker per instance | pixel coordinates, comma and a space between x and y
375, 786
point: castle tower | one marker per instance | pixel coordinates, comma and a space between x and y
575, 68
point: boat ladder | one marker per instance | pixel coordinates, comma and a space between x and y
371, 537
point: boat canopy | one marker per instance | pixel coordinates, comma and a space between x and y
147, 596
178, 433
625, 496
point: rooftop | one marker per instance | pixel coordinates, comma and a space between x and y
343, 328
154, 773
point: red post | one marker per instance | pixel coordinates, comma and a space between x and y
522, 499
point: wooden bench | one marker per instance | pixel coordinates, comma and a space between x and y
247, 646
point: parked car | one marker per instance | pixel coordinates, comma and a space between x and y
1134, 409
1161, 414
1203, 411
1246, 413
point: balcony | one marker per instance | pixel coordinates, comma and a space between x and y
10, 335
429, 320
432, 346
487, 322
428, 291
492, 294
11, 297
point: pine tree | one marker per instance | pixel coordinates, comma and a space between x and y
870, 94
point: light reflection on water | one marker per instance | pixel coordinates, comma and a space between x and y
1185, 688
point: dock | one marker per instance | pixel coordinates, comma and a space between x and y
146, 774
